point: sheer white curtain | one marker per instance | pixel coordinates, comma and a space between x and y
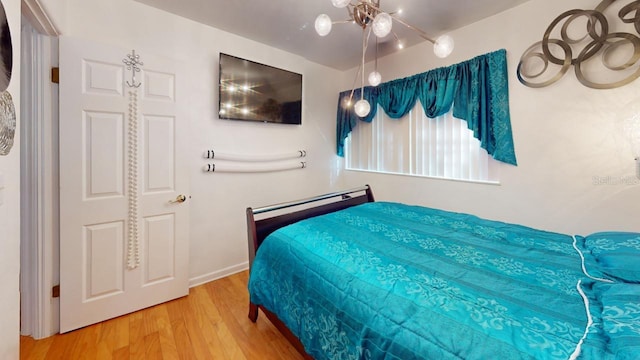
415, 145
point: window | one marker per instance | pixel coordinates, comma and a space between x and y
416, 145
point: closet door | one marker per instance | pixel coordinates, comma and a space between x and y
124, 202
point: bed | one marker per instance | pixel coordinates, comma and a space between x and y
352, 278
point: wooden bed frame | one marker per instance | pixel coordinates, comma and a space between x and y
258, 230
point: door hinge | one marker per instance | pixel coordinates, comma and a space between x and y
55, 291
55, 75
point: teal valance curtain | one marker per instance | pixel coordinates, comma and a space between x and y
477, 90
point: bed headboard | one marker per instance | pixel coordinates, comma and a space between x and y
258, 230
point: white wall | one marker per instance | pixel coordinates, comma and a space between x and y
10, 209
565, 135
218, 226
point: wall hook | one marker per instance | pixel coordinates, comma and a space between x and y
132, 61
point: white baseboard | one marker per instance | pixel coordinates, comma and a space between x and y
202, 279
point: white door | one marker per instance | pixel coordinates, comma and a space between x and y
123, 245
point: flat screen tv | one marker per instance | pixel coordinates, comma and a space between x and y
258, 92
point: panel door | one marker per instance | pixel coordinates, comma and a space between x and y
123, 239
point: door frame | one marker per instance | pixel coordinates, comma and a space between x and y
39, 239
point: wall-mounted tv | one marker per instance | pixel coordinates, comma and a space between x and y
258, 92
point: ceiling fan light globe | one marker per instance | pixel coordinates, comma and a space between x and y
340, 3
382, 24
443, 46
375, 78
362, 108
323, 24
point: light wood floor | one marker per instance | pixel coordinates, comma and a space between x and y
210, 323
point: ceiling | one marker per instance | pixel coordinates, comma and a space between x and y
289, 24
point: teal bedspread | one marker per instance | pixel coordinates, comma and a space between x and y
393, 281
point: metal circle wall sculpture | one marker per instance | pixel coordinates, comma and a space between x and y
535, 67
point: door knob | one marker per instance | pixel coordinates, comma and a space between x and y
179, 199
